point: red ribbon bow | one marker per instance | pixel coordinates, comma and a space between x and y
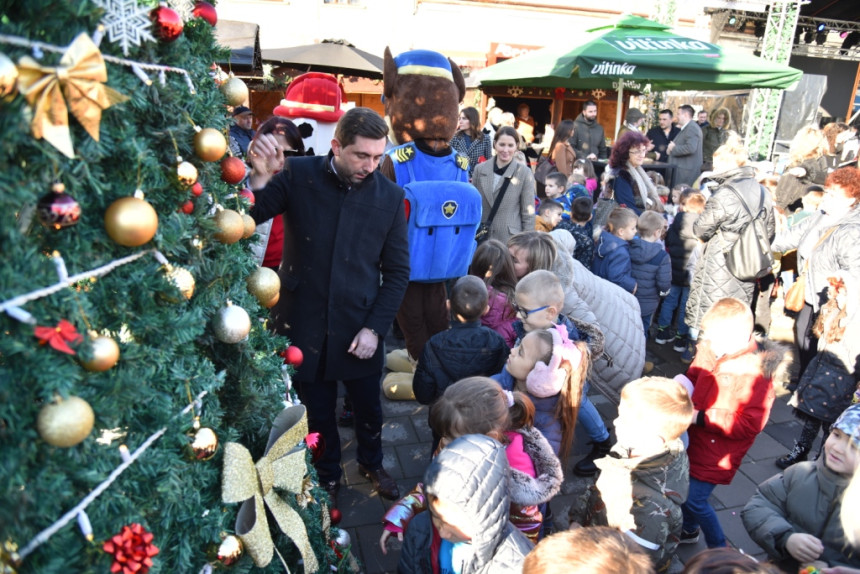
132, 550
58, 336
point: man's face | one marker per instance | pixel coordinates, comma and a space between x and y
590, 112
359, 159
684, 117
244, 121
665, 121
703, 117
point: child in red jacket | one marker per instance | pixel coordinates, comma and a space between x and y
732, 378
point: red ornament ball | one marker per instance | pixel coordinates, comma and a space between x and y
206, 11
249, 195
166, 23
316, 444
197, 189
335, 515
293, 356
187, 207
58, 209
232, 170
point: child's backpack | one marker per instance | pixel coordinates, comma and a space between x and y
443, 212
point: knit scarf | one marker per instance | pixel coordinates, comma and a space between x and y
643, 183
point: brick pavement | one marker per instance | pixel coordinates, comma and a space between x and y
406, 444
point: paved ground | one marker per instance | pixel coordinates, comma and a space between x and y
406, 442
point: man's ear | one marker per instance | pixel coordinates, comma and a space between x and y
335, 147
486, 309
448, 305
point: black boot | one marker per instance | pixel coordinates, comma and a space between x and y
797, 454
586, 466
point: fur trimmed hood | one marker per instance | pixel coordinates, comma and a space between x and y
525, 490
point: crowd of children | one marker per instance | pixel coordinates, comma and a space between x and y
533, 323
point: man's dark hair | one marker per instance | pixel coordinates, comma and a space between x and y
549, 206
469, 298
588, 104
362, 122
671, 115
689, 109
580, 209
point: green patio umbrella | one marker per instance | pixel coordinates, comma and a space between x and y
635, 52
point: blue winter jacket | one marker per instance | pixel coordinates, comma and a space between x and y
612, 261
652, 270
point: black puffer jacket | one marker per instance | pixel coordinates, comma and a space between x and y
719, 226
588, 138
472, 472
680, 243
464, 350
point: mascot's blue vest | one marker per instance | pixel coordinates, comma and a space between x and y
443, 212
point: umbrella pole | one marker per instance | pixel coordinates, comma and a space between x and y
620, 105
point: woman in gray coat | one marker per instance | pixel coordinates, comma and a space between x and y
516, 212
829, 325
718, 227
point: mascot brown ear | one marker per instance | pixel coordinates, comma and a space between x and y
389, 75
459, 81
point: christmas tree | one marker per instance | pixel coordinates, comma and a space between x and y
138, 381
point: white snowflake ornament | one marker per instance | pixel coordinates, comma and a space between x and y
515, 91
126, 23
598, 94
185, 8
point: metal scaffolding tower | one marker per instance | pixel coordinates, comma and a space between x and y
763, 107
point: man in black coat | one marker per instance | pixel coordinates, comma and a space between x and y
662, 135
344, 227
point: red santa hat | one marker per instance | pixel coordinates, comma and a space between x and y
313, 95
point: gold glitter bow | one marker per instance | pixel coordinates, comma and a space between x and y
77, 84
283, 466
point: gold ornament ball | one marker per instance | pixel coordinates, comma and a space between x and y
204, 443
250, 226
104, 354
230, 225
273, 301
65, 422
210, 144
235, 91
230, 550
187, 173
231, 324
8, 78
181, 278
264, 284
131, 221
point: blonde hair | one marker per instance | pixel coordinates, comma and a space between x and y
733, 150
728, 317
539, 247
650, 222
808, 143
585, 550
544, 287
570, 396
620, 217
661, 402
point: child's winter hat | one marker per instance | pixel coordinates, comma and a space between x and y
849, 423
547, 380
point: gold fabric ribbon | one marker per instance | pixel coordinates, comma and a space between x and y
282, 466
77, 84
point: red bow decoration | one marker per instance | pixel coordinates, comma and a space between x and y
58, 336
482, 159
559, 93
132, 550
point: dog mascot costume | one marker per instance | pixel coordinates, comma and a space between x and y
422, 92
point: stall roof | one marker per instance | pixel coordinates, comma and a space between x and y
243, 40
